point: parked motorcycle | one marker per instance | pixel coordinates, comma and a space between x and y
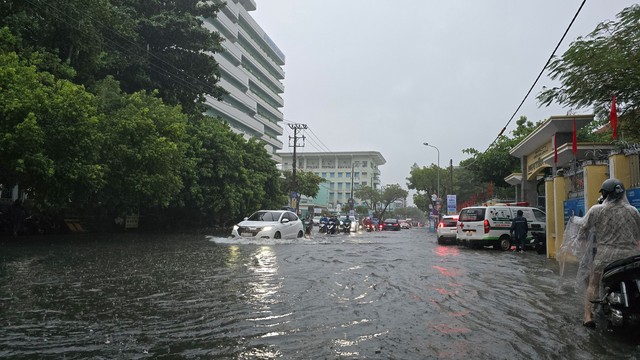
620, 304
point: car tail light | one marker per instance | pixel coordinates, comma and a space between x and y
460, 224
486, 226
441, 225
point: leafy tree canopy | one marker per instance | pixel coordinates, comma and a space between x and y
604, 63
307, 183
145, 45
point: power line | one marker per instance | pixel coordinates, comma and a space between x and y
540, 74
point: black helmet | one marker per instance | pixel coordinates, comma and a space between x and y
612, 189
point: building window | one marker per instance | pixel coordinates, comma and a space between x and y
332, 175
348, 175
356, 175
339, 186
364, 164
331, 186
324, 175
347, 186
339, 175
364, 183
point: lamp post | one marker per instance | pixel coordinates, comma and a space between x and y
438, 150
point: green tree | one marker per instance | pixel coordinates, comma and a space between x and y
232, 177
370, 196
307, 183
146, 45
390, 194
48, 134
144, 149
604, 63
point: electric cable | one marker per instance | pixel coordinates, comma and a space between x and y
540, 74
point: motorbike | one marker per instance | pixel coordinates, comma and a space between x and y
324, 225
332, 226
345, 226
620, 304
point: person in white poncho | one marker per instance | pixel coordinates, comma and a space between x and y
609, 231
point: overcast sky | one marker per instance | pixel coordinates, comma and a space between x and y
387, 76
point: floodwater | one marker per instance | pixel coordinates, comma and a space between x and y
382, 295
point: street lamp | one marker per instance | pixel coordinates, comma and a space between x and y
438, 150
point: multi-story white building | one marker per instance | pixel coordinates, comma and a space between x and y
251, 71
345, 172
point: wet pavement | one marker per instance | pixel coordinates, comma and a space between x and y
382, 295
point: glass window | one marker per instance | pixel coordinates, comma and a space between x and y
348, 186
324, 175
364, 164
339, 186
331, 186
339, 175
332, 175
347, 175
472, 214
540, 216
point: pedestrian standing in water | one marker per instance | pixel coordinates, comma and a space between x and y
519, 226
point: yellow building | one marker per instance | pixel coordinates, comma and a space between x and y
564, 180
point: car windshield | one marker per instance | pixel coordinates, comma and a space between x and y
391, 221
265, 216
474, 214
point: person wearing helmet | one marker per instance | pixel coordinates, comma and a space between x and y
610, 230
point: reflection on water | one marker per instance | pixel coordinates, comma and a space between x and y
395, 295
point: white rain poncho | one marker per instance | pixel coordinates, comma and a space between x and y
608, 232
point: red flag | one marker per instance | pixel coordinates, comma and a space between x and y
555, 148
613, 118
574, 142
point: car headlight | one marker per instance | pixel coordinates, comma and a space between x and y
236, 227
266, 228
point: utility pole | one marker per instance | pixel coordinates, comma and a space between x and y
451, 176
295, 138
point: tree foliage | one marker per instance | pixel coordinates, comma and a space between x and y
604, 63
48, 132
112, 149
379, 200
145, 45
307, 183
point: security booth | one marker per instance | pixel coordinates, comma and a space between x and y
559, 174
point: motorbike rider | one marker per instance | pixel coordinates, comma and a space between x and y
324, 220
611, 231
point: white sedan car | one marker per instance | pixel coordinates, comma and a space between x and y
269, 224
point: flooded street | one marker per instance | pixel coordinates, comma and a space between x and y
383, 295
